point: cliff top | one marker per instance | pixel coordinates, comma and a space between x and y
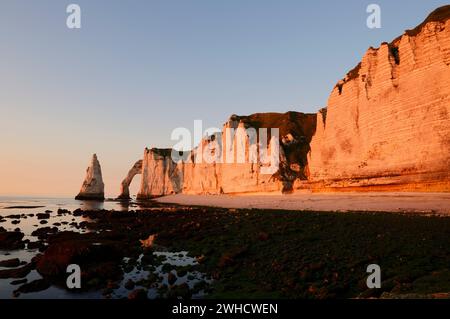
160, 151
441, 14
301, 124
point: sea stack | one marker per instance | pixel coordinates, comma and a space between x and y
93, 187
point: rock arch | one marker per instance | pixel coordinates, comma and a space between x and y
125, 185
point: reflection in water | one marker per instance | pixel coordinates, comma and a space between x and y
27, 209
91, 205
118, 205
14, 205
171, 262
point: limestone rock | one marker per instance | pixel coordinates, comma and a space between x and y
233, 176
387, 123
160, 175
93, 187
215, 174
125, 186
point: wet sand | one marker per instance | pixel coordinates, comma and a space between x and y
438, 203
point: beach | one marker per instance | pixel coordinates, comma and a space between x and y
428, 203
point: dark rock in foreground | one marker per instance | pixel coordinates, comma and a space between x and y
18, 282
11, 240
34, 286
172, 278
10, 263
16, 272
138, 294
98, 259
58, 256
129, 284
180, 291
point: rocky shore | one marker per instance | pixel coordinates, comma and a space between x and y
169, 251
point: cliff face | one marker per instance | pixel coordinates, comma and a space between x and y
387, 123
221, 170
93, 187
160, 175
125, 185
232, 175
386, 127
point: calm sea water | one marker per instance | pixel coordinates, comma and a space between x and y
33, 205
7, 204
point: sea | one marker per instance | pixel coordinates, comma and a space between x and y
27, 206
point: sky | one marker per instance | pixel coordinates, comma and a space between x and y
136, 70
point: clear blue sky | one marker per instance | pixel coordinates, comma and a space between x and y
138, 69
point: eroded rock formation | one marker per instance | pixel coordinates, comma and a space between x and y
233, 176
216, 173
387, 123
93, 187
125, 185
160, 175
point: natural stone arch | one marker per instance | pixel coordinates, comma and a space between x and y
125, 186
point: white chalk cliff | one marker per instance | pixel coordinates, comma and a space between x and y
125, 185
160, 175
217, 174
387, 123
386, 127
93, 187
